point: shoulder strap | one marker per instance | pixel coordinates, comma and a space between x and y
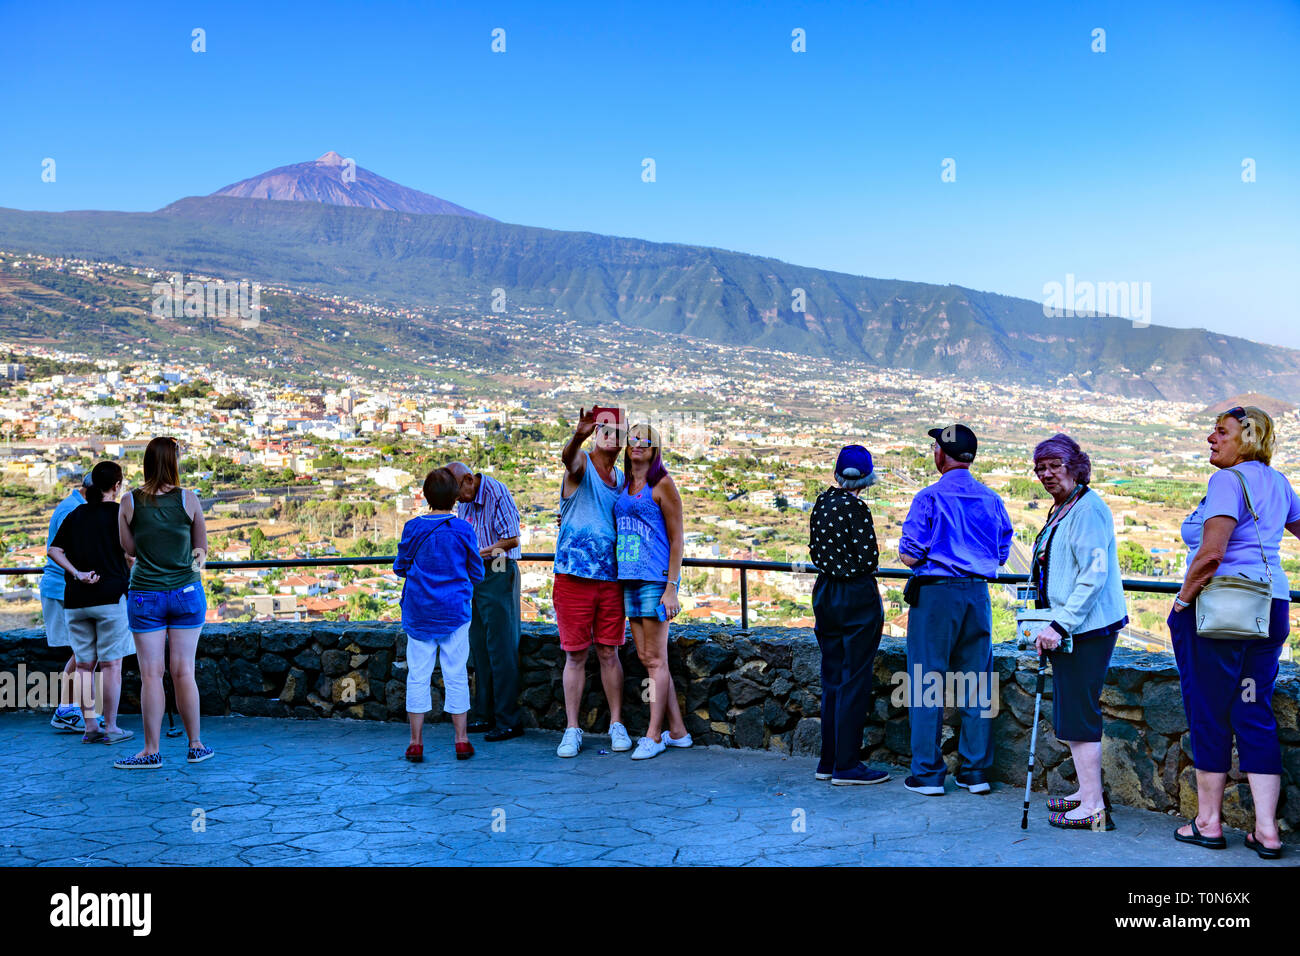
1245, 490
429, 528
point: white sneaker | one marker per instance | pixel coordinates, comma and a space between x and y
571, 743
619, 740
670, 741
647, 747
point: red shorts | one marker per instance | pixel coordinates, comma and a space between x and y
587, 609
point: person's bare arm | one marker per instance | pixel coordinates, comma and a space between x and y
198, 531
125, 509
670, 503
908, 560
60, 557
1214, 542
575, 463
1294, 528
500, 547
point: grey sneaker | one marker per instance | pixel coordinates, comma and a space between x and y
68, 721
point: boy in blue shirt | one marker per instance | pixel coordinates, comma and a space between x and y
439, 558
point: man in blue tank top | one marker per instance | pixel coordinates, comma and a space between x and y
587, 594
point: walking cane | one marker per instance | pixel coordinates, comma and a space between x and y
1033, 741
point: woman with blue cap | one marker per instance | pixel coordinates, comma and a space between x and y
849, 615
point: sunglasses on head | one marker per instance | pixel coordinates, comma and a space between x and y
1237, 412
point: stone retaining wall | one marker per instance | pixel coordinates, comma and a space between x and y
757, 689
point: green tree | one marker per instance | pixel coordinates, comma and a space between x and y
1134, 559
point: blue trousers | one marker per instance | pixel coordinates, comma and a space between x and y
1228, 690
950, 630
850, 619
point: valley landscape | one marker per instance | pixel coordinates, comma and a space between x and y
390, 340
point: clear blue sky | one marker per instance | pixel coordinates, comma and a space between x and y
1115, 166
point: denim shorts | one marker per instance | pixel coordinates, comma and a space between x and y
157, 610
640, 598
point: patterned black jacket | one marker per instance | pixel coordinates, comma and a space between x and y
841, 535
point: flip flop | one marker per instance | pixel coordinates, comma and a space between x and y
1265, 852
1199, 839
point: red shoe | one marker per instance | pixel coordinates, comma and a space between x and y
464, 751
415, 753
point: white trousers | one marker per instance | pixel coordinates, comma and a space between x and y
421, 656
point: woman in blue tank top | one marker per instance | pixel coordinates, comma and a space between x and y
648, 518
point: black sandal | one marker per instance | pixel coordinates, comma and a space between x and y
1199, 839
1265, 852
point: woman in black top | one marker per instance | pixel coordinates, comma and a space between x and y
95, 573
850, 617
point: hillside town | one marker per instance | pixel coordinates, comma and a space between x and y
330, 469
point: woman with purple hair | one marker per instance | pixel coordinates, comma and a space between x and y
1075, 568
648, 521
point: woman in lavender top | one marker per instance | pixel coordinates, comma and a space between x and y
1228, 684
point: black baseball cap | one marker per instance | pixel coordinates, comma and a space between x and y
957, 441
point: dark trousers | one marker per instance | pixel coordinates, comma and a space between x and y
1228, 691
950, 631
849, 619
494, 646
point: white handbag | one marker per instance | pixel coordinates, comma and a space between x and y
1231, 607
1029, 621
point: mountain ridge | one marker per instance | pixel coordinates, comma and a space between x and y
712, 294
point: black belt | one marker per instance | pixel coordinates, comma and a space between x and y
912, 591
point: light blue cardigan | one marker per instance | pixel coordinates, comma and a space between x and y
1084, 588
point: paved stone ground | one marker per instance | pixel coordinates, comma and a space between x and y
337, 792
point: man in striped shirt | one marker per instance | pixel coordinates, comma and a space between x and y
494, 624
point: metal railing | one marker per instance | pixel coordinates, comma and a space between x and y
900, 574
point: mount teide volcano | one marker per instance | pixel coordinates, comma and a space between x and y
334, 180
431, 253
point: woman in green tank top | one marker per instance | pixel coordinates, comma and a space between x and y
162, 526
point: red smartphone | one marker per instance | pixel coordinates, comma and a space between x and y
607, 415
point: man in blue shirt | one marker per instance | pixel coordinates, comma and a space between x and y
67, 717
956, 535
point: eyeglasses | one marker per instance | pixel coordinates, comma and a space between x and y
1049, 464
639, 443
604, 430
